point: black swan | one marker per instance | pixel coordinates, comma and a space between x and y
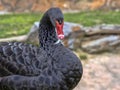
49, 67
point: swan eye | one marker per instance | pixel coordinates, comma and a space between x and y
60, 21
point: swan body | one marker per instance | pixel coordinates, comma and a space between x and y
48, 67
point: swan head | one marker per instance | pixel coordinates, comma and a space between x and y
57, 20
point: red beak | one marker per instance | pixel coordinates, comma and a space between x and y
59, 28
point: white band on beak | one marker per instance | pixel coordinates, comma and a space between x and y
58, 41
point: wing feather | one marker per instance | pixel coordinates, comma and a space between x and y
19, 58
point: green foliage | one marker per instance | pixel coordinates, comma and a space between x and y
83, 57
94, 17
19, 24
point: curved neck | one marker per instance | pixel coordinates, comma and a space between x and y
47, 35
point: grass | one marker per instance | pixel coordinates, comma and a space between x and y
17, 24
94, 17
20, 24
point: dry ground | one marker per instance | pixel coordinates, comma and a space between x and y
101, 73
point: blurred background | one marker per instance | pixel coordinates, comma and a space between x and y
92, 31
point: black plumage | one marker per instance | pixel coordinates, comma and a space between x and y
48, 67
